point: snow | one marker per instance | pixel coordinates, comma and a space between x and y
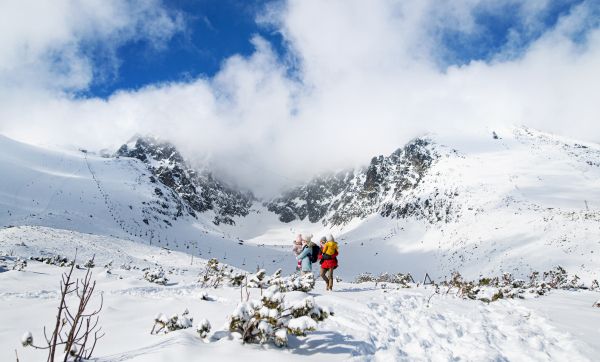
302, 323
369, 323
521, 209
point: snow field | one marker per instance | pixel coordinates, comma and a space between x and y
369, 324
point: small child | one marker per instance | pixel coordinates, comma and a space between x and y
331, 246
297, 248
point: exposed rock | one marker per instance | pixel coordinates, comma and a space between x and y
191, 191
385, 186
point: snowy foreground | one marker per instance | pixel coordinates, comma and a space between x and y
369, 323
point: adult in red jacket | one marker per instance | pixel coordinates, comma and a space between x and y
327, 267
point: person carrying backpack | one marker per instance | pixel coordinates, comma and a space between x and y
328, 261
308, 255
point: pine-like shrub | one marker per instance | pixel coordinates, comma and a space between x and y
213, 274
173, 323
402, 279
293, 282
156, 276
20, 264
203, 328
53, 260
271, 319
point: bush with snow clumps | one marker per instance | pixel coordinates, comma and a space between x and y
20, 264
156, 276
294, 282
271, 319
171, 324
203, 328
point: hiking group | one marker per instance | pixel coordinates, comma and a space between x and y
308, 253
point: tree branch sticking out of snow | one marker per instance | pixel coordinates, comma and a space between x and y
82, 327
173, 323
272, 320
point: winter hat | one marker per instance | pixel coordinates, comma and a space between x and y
323, 239
330, 238
308, 237
299, 238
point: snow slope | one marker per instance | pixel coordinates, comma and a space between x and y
370, 324
80, 191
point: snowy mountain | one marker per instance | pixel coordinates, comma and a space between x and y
386, 186
482, 202
197, 191
123, 197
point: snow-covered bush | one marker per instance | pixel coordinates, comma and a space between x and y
203, 328
27, 339
257, 280
171, 324
90, 263
271, 319
338, 279
596, 304
53, 260
507, 287
293, 282
595, 285
399, 278
156, 276
203, 295
20, 264
236, 279
213, 274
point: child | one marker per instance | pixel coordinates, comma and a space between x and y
297, 248
331, 246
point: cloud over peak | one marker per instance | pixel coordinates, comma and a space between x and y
356, 79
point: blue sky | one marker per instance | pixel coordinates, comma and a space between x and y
218, 29
271, 82
214, 31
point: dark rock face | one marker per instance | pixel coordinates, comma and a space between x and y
385, 186
312, 201
191, 191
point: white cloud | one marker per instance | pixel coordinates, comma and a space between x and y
49, 43
365, 78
